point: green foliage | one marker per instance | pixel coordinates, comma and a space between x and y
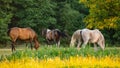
35, 13
66, 15
38, 14
69, 17
51, 52
5, 18
103, 14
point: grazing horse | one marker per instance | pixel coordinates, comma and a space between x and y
25, 34
85, 35
53, 35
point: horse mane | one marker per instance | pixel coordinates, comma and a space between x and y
100, 33
58, 31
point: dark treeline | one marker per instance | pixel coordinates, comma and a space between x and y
66, 15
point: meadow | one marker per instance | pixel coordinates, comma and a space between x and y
63, 57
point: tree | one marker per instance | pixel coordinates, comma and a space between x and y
5, 18
103, 13
69, 15
70, 18
36, 14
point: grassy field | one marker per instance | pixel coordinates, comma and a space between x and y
65, 57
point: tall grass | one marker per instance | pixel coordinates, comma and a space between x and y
62, 52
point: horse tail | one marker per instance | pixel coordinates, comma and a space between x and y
81, 36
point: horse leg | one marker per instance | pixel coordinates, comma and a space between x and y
26, 45
48, 42
13, 46
79, 43
84, 44
95, 47
31, 45
58, 43
100, 44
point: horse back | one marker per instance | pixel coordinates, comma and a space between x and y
96, 36
21, 33
26, 33
90, 35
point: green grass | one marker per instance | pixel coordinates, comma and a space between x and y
62, 52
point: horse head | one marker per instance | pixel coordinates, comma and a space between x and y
36, 45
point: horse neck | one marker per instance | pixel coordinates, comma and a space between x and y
101, 38
35, 39
36, 42
60, 34
100, 34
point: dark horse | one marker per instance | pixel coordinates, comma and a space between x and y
53, 35
25, 34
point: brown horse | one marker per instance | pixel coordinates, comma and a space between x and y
25, 34
53, 35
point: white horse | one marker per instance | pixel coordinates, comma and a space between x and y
85, 35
